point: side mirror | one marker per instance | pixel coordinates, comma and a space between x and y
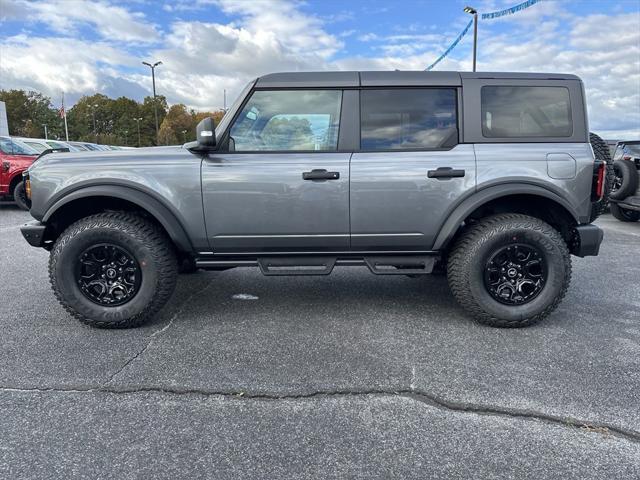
206, 134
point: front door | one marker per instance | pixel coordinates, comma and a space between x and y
280, 184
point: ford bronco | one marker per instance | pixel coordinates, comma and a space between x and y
489, 177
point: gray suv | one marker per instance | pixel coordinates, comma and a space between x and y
487, 177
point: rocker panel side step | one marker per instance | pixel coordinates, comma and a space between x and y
401, 265
296, 265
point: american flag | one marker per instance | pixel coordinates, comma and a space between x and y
61, 112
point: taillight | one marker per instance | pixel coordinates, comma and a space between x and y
6, 166
600, 179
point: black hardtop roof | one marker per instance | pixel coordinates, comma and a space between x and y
391, 78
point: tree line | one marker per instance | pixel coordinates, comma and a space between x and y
100, 119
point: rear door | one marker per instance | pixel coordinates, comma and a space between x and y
410, 171
282, 185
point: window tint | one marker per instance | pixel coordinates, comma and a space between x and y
509, 111
407, 118
288, 120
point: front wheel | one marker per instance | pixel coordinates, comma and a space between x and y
20, 196
113, 270
509, 270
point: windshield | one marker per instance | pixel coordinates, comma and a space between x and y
36, 146
221, 127
15, 147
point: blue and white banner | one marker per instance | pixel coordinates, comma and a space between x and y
509, 11
452, 46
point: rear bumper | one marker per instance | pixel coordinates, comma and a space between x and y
33, 232
587, 240
630, 203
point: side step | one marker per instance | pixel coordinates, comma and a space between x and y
297, 265
401, 265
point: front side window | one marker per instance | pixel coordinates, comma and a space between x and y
288, 120
407, 118
12, 147
519, 111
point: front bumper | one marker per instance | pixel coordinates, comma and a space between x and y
587, 240
33, 232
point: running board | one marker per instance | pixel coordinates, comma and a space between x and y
401, 265
323, 265
297, 265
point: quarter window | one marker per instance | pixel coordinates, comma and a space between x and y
294, 120
407, 118
519, 111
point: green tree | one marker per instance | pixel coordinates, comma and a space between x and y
27, 112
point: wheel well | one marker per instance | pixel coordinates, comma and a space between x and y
536, 206
83, 207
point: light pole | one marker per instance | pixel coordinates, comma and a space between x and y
153, 80
125, 138
93, 114
46, 137
138, 125
474, 12
184, 136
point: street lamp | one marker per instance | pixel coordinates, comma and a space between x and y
93, 114
46, 137
474, 12
125, 138
184, 136
138, 124
153, 79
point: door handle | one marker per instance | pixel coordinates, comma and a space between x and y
445, 172
320, 174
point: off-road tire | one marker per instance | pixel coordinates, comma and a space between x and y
20, 196
629, 174
149, 246
470, 253
624, 214
601, 152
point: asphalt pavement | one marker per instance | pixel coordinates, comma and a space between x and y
346, 376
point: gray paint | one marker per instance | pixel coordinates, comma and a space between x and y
237, 203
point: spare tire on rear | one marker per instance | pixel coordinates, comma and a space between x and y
601, 152
627, 179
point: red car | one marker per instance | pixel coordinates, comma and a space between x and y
15, 158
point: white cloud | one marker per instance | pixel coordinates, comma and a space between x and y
201, 59
113, 23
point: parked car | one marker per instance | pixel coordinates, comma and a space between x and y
41, 144
15, 158
489, 176
625, 195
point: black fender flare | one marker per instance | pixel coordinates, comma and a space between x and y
145, 201
481, 197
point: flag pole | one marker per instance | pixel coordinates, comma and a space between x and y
64, 115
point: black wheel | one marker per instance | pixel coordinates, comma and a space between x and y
625, 179
601, 152
113, 270
509, 270
20, 196
624, 214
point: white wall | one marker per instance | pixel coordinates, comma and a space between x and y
4, 126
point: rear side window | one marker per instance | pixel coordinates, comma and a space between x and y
517, 112
403, 119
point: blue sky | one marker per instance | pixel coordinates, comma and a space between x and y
208, 46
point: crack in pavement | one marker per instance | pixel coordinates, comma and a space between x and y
151, 337
412, 394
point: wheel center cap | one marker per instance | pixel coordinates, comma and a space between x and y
111, 273
512, 272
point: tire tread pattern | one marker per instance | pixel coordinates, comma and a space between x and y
458, 272
143, 231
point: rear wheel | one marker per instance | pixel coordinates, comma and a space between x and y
113, 270
20, 196
509, 270
624, 214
